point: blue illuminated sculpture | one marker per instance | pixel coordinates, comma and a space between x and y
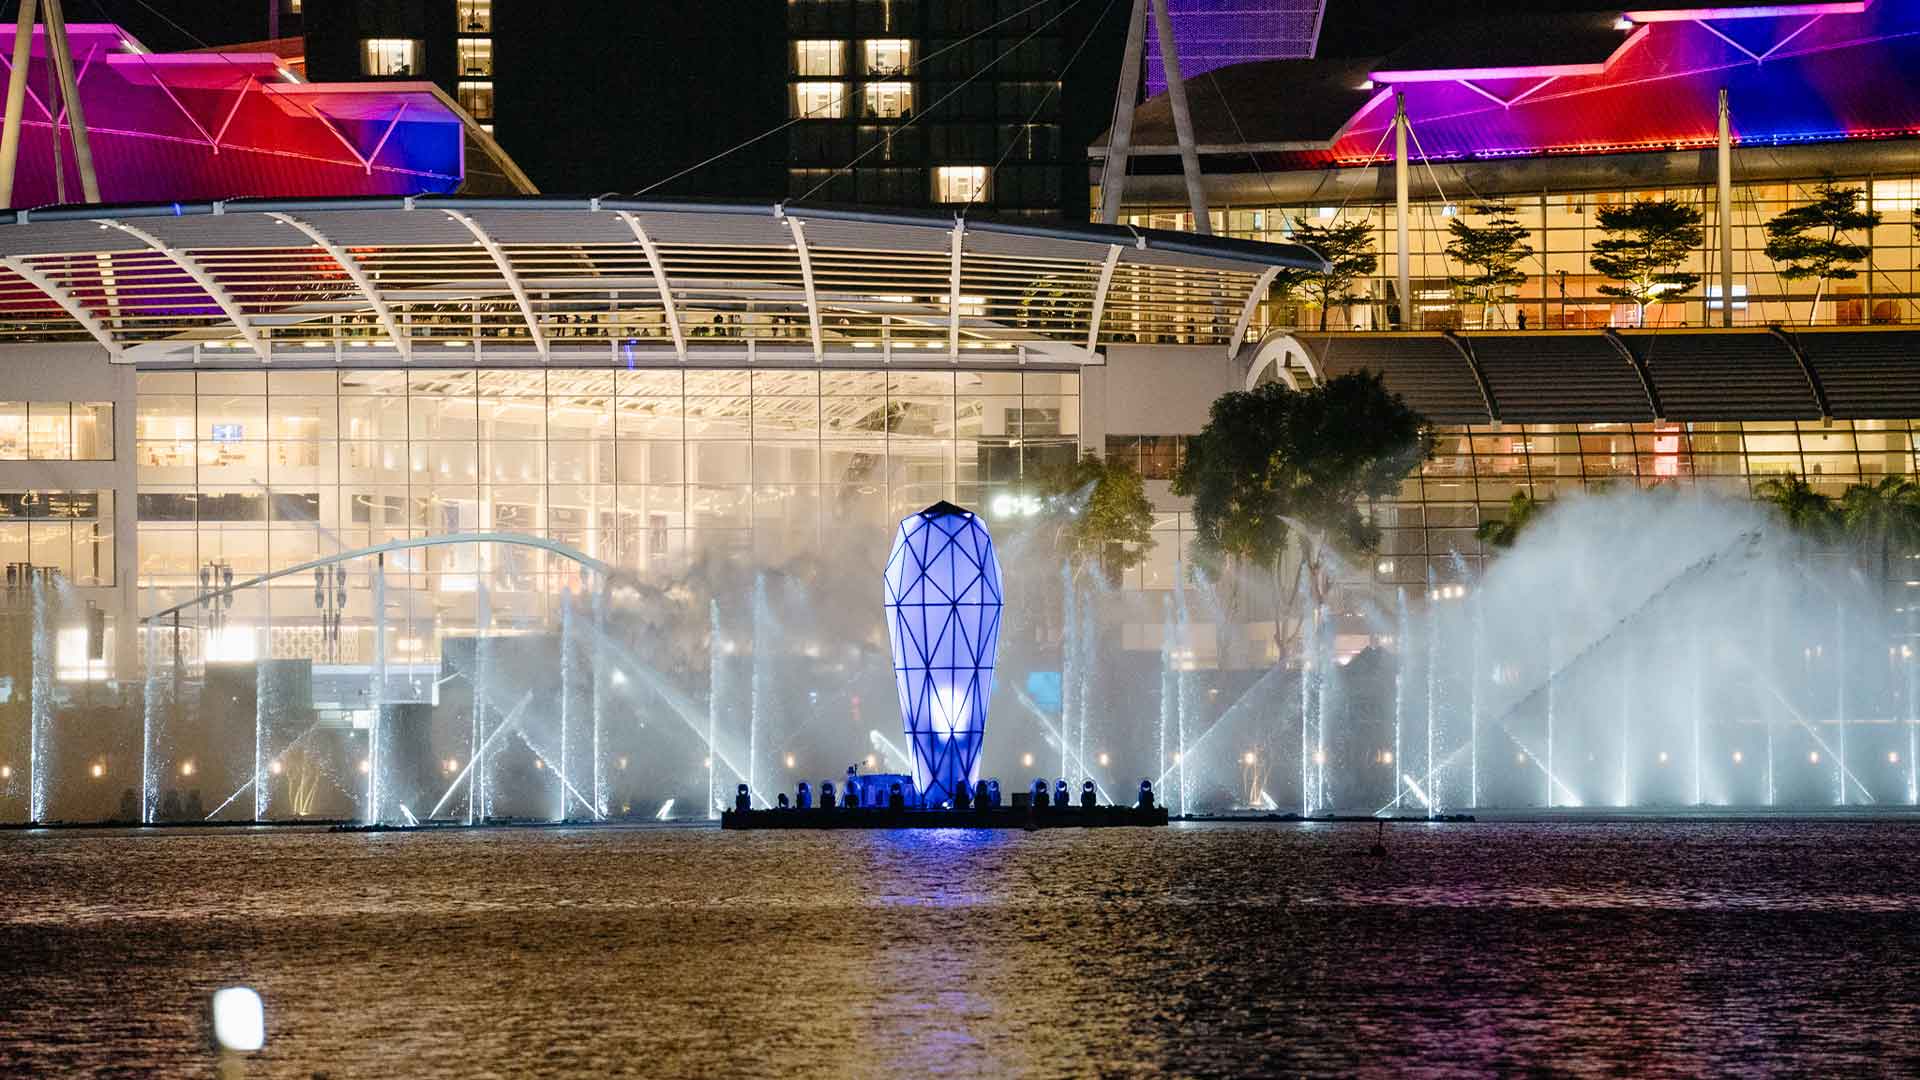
943, 618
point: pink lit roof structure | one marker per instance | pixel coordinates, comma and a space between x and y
216, 125
1536, 86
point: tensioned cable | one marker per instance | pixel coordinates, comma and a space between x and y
1052, 90
968, 81
808, 115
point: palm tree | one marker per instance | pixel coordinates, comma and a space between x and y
1522, 508
1806, 510
1884, 514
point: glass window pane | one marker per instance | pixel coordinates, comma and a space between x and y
92, 431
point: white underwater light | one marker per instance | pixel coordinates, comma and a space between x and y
239, 1019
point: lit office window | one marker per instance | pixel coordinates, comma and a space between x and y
476, 98
389, 56
56, 431
476, 56
819, 59
476, 16
961, 183
887, 99
818, 100
887, 57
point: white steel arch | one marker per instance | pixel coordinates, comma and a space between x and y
215, 291
358, 276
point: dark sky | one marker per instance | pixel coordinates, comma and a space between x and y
1352, 28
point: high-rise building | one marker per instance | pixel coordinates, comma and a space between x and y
911, 103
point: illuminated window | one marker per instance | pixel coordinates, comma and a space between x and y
961, 183
476, 16
476, 56
56, 431
819, 59
887, 99
887, 57
477, 98
818, 100
389, 56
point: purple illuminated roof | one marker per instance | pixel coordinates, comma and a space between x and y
192, 126
1794, 73
1211, 34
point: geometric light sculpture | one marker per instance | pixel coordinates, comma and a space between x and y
943, 605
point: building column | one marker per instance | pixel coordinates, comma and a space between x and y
1113, 174
1725, 156
1182, 120
1405, 271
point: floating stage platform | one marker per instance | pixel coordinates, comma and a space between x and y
996, 817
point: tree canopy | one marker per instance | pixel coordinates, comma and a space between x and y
1809, 241
1270, 456
1522, 510
1348, 249
1645, 246
1099, 514
1492, 251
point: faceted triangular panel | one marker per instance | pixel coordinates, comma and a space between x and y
942, 593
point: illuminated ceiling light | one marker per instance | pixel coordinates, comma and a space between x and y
1250, 758
1663, 757
100, 770
1623, 23
365, 765
186, 769
1026, 761
789, 761
1103, 760
1813, 757
274, 768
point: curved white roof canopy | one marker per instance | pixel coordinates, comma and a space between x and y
451, 280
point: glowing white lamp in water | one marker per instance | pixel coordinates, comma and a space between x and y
943, 601
239, 1019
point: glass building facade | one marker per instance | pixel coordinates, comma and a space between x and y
1561, 290
650, 470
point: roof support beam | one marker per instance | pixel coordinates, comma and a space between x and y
1814, 384
814, 327
1639, 368
505, 266
1465, 348
215, 291
1259, 290
358, 275
1100, 296
953, 292
659, 282
69, 304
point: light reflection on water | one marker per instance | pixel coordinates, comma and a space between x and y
1643, 948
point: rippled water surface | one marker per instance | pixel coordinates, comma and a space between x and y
1645, 949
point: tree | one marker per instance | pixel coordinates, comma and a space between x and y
1807, 240
1805, 510
1496, 249
1348, 250
1522, 509
1099, 513
1645, 245
1277, 471
1882, 517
